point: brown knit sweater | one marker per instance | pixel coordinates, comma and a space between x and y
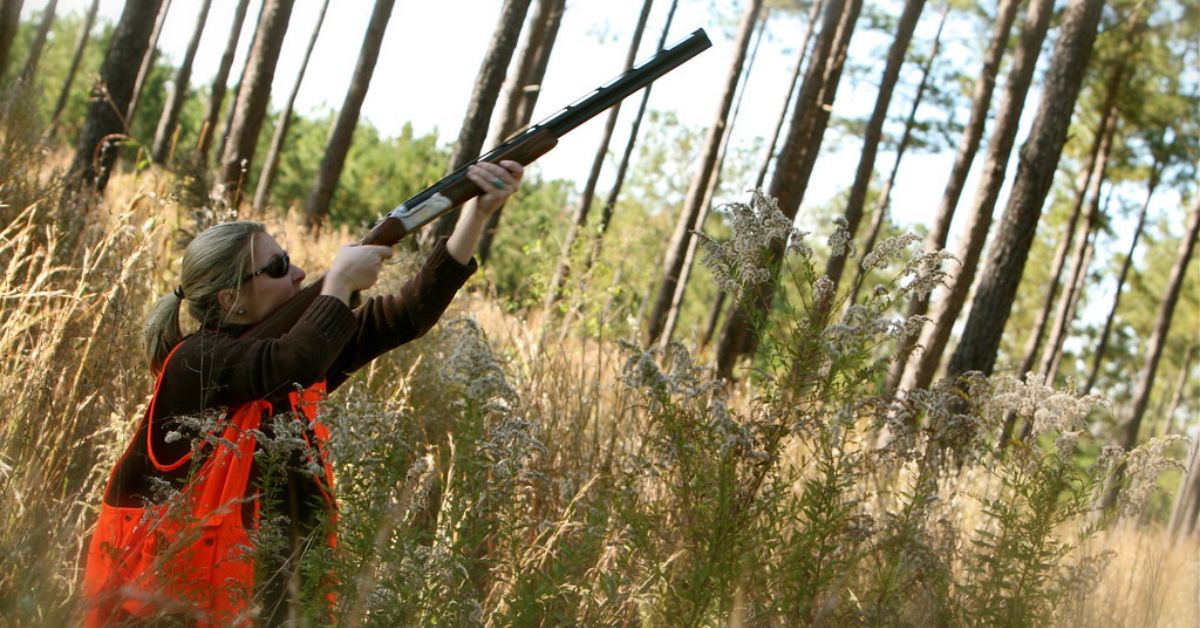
216, 369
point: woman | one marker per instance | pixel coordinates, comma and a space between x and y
180, 514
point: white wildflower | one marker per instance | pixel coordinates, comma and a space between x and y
841, 242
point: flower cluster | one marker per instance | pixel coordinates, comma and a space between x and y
473, 365
1049, 410
1144, 464
740, 263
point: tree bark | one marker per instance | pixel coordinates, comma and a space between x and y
981, 102
1064, 314
81, 41
159, 152
813, 12
677, 248
483, 100
317, 206
579, 219
1158, 339
610, 203
922, 365
1102, 345
10, 22
266, 178
130, 39
522, 92
204, 142
39, 41
976, 350
707, 202
227, 122
253, 98
147, 64
1186, 511
874, 131
1168, 409
885, 195
810, 117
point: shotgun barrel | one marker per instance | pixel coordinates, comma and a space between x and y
525, 147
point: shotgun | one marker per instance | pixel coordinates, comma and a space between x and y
455, 189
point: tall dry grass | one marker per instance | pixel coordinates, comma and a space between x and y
507, 470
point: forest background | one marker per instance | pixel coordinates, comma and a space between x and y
1148, 169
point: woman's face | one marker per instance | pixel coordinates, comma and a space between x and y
261, 292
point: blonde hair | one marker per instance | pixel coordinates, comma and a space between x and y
215, 260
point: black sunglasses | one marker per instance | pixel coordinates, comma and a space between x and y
277, 267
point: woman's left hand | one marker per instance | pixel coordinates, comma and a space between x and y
498, 182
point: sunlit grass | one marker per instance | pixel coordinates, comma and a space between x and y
522, 469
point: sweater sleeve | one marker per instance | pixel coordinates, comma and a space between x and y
386, 322
225, 370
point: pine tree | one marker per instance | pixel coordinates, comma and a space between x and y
266, 177
338, 146
252, 99
183, 75
976, 350
95, 150
483, 99
217, 93
923, 365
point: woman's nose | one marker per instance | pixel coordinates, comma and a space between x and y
298, 274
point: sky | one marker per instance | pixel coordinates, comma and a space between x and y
432, 52
426, 71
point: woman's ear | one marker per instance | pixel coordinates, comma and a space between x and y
227, 299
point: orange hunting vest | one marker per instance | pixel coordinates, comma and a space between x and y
192, 554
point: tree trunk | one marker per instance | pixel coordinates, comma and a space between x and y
707, 202
39, 41
1186, 512
610, 203
130, 39
714, 313
81, 41
253, 98
317, 206
1158, 339
10, 22
159, 152
922, 365
710, 323
981, 101
1080, 279
813, 12
1169, 409
227, 122
147, 64
885, 195
874, 131
1102, 140
483, 100
579, 220
522, 91
976, 350
207, 127
1102, 345
810, 117
266, 178
1064, 315
677, 248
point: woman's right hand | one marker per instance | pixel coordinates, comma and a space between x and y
355, 267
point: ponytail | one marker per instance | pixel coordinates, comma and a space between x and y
215, 260
161, 332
